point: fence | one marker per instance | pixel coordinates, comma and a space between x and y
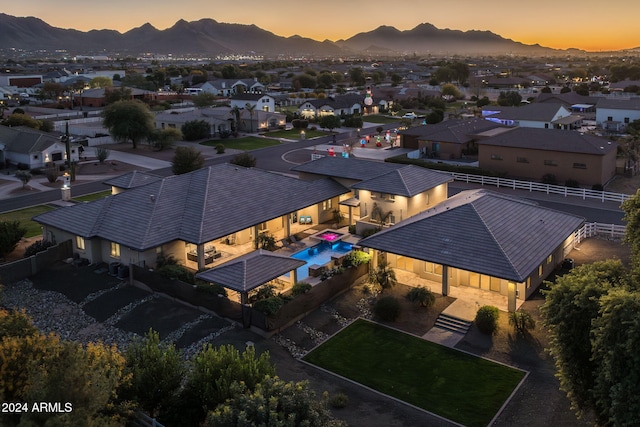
593, 229
27, 267
530, 186
188, 293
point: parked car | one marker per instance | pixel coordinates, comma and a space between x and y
410, 116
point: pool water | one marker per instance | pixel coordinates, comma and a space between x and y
319, 254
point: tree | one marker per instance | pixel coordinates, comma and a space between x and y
243, 159
100, 82
51, 90
21, 119
213, 379
330, 122
509, 98
357, 76
156, 373
203, 99
273, 403
250, 108
186, 159
571, 305
10, 234
24, 177
522, 322
194, 130
115, 95
102, 153
161, 139
487, 319
631, 208
383, 276
235, 111
450, 90
128, 121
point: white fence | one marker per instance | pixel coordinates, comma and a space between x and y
593, 229
530, 186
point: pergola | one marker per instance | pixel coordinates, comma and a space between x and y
250, 271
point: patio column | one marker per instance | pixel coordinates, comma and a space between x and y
445, 280
294, 276
244, 297
287, 227
350, 215
200, 252
255, 237
511, 296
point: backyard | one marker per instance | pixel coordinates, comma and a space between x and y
464, 388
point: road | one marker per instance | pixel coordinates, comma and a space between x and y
272, 158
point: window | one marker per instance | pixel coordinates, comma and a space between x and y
626, 120
35, 157
550, 163
326, 205
550, 259
496, 157
391, 197
432, 268
426, 199
522, 160
262, 227
540, 271
528, 282
610, 118
80, 243
115, 250
56, 157
579, 165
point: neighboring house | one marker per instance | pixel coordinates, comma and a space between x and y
449, 139
229, 87
480, 239
537, 115
615, 114
218, 118
96, 97
35, 149
335, 106
531, 153
395, 190
623, 84
257, 101
198, 218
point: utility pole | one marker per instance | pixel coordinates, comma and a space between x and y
70, 164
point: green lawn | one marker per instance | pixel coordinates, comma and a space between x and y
92, 197
455, 385
295, 134
24, 216
247, 143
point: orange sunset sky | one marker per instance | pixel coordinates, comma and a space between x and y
590, 25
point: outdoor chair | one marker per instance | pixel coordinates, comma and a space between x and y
296, 242
286, 244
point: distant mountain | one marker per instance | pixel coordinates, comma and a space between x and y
210, 37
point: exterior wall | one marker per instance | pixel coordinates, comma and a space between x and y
402, 207
423, 201
618, 115
598, 169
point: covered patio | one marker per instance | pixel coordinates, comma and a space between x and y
250, 271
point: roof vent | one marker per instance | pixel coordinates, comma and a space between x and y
152, 198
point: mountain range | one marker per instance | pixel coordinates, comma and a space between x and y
209, 37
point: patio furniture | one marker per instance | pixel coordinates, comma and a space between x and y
286, 245
296, 242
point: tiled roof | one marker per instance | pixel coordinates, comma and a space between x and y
197, 207
250, 271
541, 112
347, 168
480, 231
552, 140
456, 131
133, 179
619, 104
25, 140
406, 181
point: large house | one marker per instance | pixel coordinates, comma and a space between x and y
33, 148
479, 239
334, 106
256, 101
615, 114
568, 155
229, 87
537, 115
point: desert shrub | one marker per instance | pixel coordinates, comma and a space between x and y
23, 167
339, 400
522, 322
263, 292
211, 288
220, 148
300, 288
421, 295
387, 308
244, 159
52, 174
37, 246
487, 319
102, 153
269, 306
174, 271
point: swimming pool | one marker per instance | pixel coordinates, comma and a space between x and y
319, 254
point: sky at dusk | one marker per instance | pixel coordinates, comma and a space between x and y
590, 25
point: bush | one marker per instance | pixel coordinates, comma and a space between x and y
339, 400
263, 292
211, 288
220, 149
52, 174
387, 308
487, 319
300, 288
102, 153
269, 306
177, 272
244, 159
370, 231
422, 296
549, 178
38, 246
522, 322
355, 258
572, 183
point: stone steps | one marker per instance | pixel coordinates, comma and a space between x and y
451, 323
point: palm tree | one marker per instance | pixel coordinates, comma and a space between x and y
383, 276
379, 214
236, 114
250, 109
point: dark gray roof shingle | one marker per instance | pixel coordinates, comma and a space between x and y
406, 181
481, 231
